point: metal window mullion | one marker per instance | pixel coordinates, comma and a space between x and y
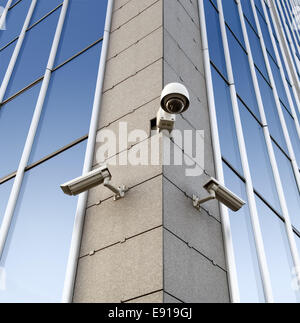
285, 60
262, 261
293, 20
4, 13
16, 51
225, 220
9, 212
282, 74
289, 40
288, 49
278, 184
276, 97
82, 199
289, 24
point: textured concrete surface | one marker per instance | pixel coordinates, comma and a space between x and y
152, 246
121, 251
194, 259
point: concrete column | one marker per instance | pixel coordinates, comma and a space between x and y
152, 246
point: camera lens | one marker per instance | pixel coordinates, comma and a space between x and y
175, 106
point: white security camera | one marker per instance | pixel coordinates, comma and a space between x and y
174, 100
221, 193
91, 179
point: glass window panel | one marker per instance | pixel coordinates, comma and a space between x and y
247, 10
271, 111
297, 238
33, 58
289, 185
15, 119
36, 253
259, 7
260, 167
13, 2
14, 22
242, 76
232, 18
279, 84
42, 8
250, 284
5, 55
67, 109
266, 36
271, 23
5, 189
216, 50
215, 3
290, 123
226, 126
84, 24
278, 254
257, 51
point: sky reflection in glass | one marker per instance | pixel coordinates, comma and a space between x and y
36, 253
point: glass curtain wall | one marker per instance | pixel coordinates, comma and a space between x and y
33, 264
277, 78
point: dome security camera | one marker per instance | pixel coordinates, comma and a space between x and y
175, 99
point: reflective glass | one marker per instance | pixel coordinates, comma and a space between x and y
290, 123
250, 284
33, 58
84, 24
260, 167
259, 7
14, 22
42, 8
232, 18
242, 76
297, 238
271, 113
256, 51
68, 105
226, 126
216, 50
278, 256
15, 119
266, 36
5, 189
247, 10
289, 185
36, 252
279, 84
5, 55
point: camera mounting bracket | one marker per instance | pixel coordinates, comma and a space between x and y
197, 201
119, 192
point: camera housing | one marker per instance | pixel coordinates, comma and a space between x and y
94, 178
221, 193
174, 100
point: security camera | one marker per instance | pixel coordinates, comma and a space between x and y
174, 100
221, 193
94, 178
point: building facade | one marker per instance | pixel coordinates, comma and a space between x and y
80, 86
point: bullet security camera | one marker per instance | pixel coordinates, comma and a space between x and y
221, 193
94, 178
174, 100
